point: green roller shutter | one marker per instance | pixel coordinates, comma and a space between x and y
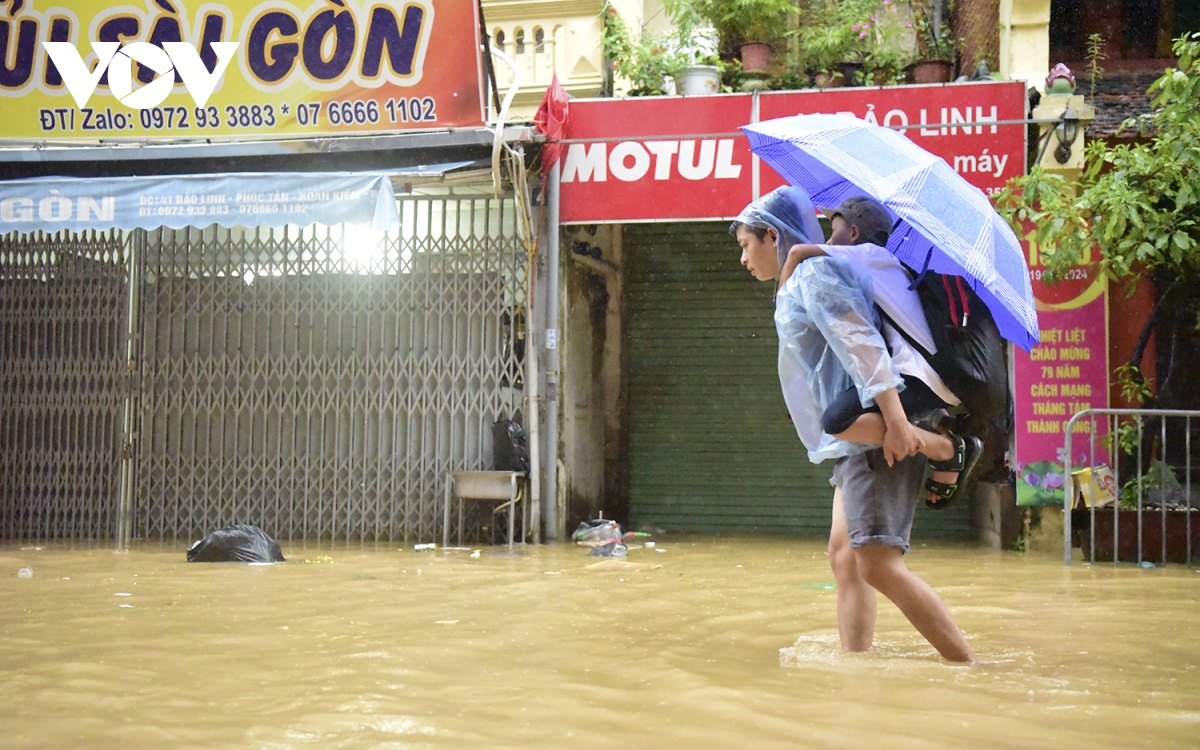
711, 445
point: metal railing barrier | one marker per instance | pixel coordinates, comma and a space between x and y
1138, 444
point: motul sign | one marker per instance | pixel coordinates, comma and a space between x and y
682, 158
631, 161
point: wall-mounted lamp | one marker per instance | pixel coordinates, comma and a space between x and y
1066, 131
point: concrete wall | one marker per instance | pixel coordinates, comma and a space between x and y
591, 404
570, 48
1025, 41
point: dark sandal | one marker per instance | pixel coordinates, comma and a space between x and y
966, 455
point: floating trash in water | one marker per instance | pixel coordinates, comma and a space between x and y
597, 532
122, 593
25, 573
612, 549
446, 622
125, 606
477, 553
649, 545
423, 547
1147, 564
237, 543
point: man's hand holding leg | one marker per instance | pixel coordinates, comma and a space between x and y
901, 439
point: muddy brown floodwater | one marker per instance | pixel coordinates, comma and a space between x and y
730, 643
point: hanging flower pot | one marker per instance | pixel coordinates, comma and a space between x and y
756, 56
932, 71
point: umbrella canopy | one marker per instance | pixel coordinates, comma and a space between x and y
941, 221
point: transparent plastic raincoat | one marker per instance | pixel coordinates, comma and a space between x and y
829, 335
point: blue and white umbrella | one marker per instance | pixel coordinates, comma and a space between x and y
941, 220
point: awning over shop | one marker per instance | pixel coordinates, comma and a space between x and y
56, 203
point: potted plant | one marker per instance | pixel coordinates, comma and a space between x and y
699, 74
935, 43
750, 24
833, 34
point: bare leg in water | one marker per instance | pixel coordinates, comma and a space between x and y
862, 571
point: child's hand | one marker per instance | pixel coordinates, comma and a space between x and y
901, 441
797, 254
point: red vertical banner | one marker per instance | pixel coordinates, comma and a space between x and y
1065, 374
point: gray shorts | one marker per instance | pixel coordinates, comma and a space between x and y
879, 500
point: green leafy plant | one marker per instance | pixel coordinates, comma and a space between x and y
732, 75
1132, 383
835, 31
643, 58
1095, 55
792, 78
692, 36
1126, 437
1140, 203
887, 52
934, 41
737, 21
1157, 477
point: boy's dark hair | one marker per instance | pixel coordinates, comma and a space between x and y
759, 232
872, 219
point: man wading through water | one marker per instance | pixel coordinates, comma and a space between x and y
851, 385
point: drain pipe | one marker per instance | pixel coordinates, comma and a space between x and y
533, 377
550, 495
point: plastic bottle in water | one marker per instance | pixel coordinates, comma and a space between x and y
25, 573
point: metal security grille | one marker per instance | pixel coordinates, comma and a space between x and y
320, 382
317, 382
62, 359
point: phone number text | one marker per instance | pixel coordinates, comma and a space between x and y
338, 114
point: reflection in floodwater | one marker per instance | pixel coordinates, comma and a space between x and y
728, 643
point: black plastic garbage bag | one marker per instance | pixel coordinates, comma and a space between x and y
510, 446
238, 543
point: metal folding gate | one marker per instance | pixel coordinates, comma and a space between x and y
62, 383
317, 382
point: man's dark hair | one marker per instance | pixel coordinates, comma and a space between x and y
759, 232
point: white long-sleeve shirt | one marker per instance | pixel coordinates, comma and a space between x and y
891, 285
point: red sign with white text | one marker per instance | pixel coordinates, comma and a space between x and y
681, 158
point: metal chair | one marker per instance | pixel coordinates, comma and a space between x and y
502, 487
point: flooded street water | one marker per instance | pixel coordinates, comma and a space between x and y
731, 643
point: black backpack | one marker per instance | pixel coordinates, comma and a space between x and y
970, 350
